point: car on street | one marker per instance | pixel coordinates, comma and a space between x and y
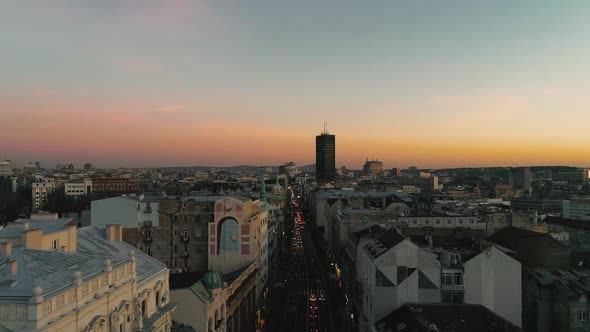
312, 297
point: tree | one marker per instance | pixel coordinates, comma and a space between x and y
59, 202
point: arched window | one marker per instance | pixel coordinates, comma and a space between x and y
229, 237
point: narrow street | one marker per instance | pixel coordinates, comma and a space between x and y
304, 299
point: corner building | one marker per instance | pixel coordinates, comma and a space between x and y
91, 281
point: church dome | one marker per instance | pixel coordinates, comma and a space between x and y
292, 164
212, 280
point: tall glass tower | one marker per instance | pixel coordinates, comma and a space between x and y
325, 157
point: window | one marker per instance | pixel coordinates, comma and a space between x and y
448, 222
582, 315
199, 248
175, 248
54, 244
175, 232
447, 279
458, 279
185, 233
198, 231
229, 237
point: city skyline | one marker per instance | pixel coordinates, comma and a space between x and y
184, 83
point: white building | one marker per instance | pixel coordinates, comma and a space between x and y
494, 280
77, 189
128, 211
393, 271
488, 276
578, 209
467, 222
54, 277
5, 168
41, 187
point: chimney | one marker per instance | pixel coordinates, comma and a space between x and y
12, 266
114, 232
6, 249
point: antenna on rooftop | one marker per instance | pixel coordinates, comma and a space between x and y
325, 132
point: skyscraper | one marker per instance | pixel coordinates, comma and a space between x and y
520, 178
325, 157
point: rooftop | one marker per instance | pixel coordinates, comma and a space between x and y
446, 317
577, 281
53, 270
15, 229
383, 242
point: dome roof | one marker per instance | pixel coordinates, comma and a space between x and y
291, 164
212, 280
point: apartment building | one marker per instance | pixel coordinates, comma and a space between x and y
41, 187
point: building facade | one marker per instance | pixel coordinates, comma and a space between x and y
394, 271
77, 189
325, 158
133, 213
41, 187
520, 178
115, 186
578, 209
5, 168
180, 240
373, 167
239, 236
90, 281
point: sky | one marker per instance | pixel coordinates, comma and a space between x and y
169, 83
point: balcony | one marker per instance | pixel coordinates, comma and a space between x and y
147, 239
184, 238
453, 288
185, 254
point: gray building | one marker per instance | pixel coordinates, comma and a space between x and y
558, 301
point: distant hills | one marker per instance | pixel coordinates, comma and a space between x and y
236, 169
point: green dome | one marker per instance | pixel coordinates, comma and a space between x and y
212, 280
291, 164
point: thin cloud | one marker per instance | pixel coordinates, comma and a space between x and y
171, 108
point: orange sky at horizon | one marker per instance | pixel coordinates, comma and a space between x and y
127, 135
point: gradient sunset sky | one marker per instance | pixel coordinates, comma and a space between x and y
427, 83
